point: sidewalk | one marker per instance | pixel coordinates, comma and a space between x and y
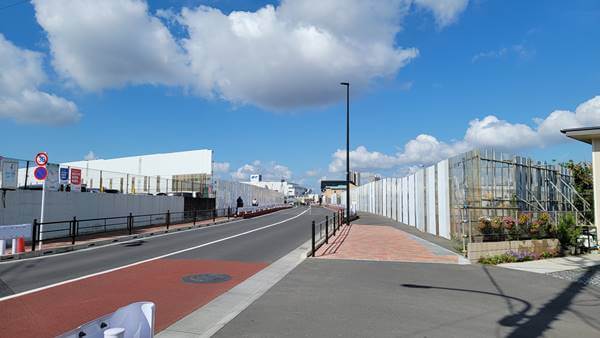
374, 280
369, 239
583, 269
556, 264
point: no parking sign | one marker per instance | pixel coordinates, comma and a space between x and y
40, 173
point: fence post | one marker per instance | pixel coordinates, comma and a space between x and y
168, 218
34, 226
130, 223
313, 239
195, 215
73, 234
334, 224
326, 229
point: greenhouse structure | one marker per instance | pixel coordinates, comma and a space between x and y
449, 198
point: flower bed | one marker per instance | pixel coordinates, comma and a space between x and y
532, 247
513, 257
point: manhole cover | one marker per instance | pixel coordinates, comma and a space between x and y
206, 278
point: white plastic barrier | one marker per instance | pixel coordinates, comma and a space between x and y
135, 320
12, 233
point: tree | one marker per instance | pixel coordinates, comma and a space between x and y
583, 181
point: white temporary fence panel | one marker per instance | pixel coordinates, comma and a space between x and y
394, 199
420, 199
443, 181
431, 201
384, 197
405, 207
411, 200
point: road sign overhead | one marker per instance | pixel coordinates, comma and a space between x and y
41, 159
40, 173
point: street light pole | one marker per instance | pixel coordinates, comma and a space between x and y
347, 84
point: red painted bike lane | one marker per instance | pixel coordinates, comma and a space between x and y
50, 312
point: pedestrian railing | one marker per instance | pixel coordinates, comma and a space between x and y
324, 230
76, 229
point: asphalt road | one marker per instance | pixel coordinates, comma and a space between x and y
265, 245
343, 298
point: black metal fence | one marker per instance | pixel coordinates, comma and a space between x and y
322, 231
76, 229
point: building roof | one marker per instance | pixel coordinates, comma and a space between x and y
585, 134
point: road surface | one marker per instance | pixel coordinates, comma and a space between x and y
46, 296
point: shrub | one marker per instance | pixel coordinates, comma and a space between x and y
567, 231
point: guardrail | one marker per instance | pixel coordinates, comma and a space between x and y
326, 229
249, 212
75, 229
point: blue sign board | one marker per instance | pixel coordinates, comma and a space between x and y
64, 174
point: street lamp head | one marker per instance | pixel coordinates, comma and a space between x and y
345, 83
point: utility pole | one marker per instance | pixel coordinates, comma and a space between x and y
347, 84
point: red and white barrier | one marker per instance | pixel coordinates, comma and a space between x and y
16, 234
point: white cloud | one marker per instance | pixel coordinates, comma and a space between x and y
221, 167
287, 56
312, 173
519, 50
493, 132
110, 43
294, 55
361, 158
21, 73
446, 12
90, 156
271, 171
488, 132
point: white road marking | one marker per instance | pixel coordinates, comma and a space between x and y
149, 259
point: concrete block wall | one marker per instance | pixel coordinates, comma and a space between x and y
23, 206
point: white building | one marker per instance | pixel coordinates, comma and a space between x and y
155, 173
166, 165
289, 189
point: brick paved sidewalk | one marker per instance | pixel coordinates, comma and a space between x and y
383, 243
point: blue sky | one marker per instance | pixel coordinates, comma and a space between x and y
469, 74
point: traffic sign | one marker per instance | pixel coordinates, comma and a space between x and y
40, 173
41, 159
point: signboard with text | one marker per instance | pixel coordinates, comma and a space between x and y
75, 179
8, 174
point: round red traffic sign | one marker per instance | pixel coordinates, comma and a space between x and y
41, 159
40, 173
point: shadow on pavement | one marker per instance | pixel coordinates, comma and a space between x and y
536, 324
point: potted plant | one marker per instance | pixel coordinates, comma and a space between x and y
534, 229
497, 226
544, 223
511, 226
484, 225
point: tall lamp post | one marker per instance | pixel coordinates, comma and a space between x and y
347, 84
